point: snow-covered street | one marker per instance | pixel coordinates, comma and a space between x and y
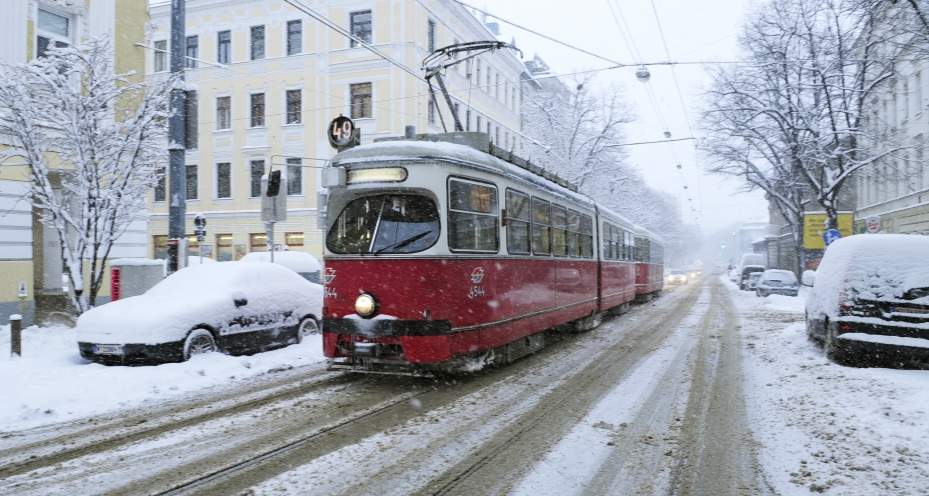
707, 390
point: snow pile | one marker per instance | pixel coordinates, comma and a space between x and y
51, 383
825, 428
876, 267
200, 294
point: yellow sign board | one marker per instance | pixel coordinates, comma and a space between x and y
814, 226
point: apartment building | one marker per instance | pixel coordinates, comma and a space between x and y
895, 191
264, 79
30, 255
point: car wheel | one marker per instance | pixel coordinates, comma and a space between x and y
198, 342
308, 326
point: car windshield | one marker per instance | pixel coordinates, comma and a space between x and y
385, 224
678, 272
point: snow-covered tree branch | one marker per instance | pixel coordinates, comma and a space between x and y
93, 141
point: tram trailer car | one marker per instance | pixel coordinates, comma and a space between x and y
445, 251
649, 265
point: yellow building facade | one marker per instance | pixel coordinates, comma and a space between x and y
30, 254
264, 79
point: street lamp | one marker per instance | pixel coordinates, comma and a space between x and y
642, 74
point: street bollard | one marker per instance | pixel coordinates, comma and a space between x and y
16, 335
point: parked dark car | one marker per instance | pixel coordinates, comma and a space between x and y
743, 277
870, 301
753, 279
775, 281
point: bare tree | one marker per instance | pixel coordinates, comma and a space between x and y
793, 120
93, 141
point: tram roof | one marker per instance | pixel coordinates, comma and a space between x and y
641, 231
434, 147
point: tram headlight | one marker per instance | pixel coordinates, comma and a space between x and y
365, 305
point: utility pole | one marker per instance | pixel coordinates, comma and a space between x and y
177, 140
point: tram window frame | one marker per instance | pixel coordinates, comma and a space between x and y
605, 240
541, 223
454, 214
574, 234
587, 236
515, 222
559, 247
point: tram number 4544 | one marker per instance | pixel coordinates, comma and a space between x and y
476, 291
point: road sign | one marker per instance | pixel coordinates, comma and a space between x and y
873, 224
341, 132
831, 235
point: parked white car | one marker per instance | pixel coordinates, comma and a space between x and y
233, 307
776, 281
870, 301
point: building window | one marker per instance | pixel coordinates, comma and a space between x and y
258, 42
430, 36
193, 49
361, 101
161, 184
257, 242
294, 37
160, 242
224, 180
294, 176
489, 78
192, 186
477, 73
161, 56
497, 136
472, 216
258, 170
224, 47
294, 240
497, 86
54, 30
468, 120
477, 123
191, 128
223, 247
258, 109
223, 112
294, 106
360, 27
430, 110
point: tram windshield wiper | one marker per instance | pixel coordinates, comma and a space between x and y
405, 242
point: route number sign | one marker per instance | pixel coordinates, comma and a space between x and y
341, 130
873, 224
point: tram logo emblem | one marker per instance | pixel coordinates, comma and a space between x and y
477, 275
328, 276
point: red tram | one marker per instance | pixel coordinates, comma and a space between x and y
445, 250
649, 265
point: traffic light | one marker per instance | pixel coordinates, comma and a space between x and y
723, 246
274, 183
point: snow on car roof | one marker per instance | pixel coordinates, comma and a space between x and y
297, 261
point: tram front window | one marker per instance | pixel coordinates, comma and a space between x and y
385, 224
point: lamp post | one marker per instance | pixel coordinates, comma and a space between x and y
177, 138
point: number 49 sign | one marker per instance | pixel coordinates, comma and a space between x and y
341, 131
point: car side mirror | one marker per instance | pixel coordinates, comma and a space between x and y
239, 298
809, 277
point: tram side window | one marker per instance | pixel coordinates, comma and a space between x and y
642, 250
606, 249
587, 236
559, 231
616, 240
472, 216
517, 222
574, 234
541, 227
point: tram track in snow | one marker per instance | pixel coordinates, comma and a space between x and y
262, 460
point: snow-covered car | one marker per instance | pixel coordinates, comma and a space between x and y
746, 271
753, 279
233, 307
776, 281
678, 277
870, 301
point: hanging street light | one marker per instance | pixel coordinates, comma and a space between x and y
642, 74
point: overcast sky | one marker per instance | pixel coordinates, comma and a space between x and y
695, 31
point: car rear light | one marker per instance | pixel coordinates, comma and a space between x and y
845, 327
844, 309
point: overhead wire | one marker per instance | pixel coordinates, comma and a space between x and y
680, 97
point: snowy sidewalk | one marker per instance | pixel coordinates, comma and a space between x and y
52, 383
825, 428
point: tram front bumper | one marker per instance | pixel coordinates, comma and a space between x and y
388, 339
